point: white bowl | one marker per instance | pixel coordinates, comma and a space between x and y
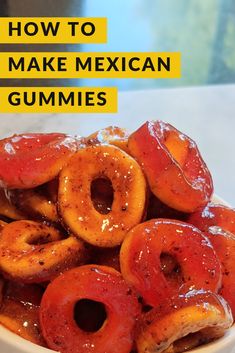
11, 343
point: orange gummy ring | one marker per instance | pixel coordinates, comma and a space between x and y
7, 208
186, 322
129, 194
34, 204
112, 135
34, 252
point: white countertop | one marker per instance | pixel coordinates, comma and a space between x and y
207, 114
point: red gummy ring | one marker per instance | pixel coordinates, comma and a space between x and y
140, 260
218, 224
29, 160
172, 163
98, 283
214, 215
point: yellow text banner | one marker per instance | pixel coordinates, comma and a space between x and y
90, 65
58, 100
48, 30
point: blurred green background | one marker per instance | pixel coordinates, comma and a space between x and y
202, 30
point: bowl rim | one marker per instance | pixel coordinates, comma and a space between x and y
16, 344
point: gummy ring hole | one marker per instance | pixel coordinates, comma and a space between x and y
102, 194
40, 239
170, 267
145, 307
190, 341
89, 315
